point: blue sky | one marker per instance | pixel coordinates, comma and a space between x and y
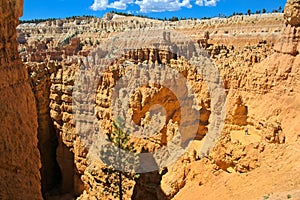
37, 9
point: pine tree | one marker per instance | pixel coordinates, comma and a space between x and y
249, 12
117, 160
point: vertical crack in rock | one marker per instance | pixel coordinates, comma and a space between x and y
51, 92
48, 141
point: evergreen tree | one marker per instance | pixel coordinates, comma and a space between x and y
249, 12
116, 160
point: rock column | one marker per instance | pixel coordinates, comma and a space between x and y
19, 155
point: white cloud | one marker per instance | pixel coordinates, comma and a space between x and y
186, 3
99, 5
150, 5
206, 2
162, 5
120, 5
199, 2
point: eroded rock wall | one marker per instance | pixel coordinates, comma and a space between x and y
19, 155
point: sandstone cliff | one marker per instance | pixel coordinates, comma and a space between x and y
19, 156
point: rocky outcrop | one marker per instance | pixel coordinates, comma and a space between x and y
289, 41
292, 13
239, 113
290, 36
19, 156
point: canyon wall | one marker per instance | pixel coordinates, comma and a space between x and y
19, 156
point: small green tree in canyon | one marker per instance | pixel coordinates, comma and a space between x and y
112, 155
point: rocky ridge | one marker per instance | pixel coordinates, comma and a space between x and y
46, 40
